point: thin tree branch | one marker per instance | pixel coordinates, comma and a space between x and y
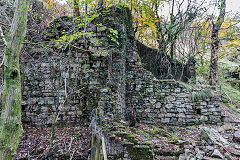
6, 16
5, 43
2, 36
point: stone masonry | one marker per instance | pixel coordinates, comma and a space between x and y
73, 81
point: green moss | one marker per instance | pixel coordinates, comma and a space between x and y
133, 129
173, 139
11, 125
135, 141
130, 136
121, 134
145, 134
149, 143
138, 152
167, 153
128, 143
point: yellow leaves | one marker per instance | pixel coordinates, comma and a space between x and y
229, 48
226, 28
236, 43
144, 20
228, 35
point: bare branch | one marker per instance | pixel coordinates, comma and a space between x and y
6, 16
2, 60
5, 24
2, 36
5, 44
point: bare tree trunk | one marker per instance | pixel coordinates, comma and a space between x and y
215, 44
10, 122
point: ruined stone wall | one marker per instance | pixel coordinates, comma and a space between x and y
67, 83
167, 101
163, 67
72, 81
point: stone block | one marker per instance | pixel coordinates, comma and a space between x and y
177, 90
181, 120
165, 120
189, 116
49, 100
204, 110
149, 89
152, 100
182, 110
204, 118
41, 101
181, 115
188, 106
171, 98
168, 115
203, 103
169, 105
158, 105
182, 95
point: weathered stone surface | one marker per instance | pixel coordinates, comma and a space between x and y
217, 154
199, 153
227, 127
236, 135
212, 136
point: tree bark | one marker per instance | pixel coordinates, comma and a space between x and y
215, 44
10, 122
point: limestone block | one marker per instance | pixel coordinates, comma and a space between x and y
216, 154
165, 120
158, 105
152, 115
44, 109
138, 87
169, 105
181, 115
177, 90
216, 113
148, 110
212, 136
203, 103
181, 120
212, 109
49, 100
203, 118
181, 110
168, 115
189, 116
188, 106
210, 106
149, 89
236, 135
41, 101
204, 110
182, 95
171, 98
173, 119
152, 100
45, 65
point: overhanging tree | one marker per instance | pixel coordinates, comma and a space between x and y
10, 122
